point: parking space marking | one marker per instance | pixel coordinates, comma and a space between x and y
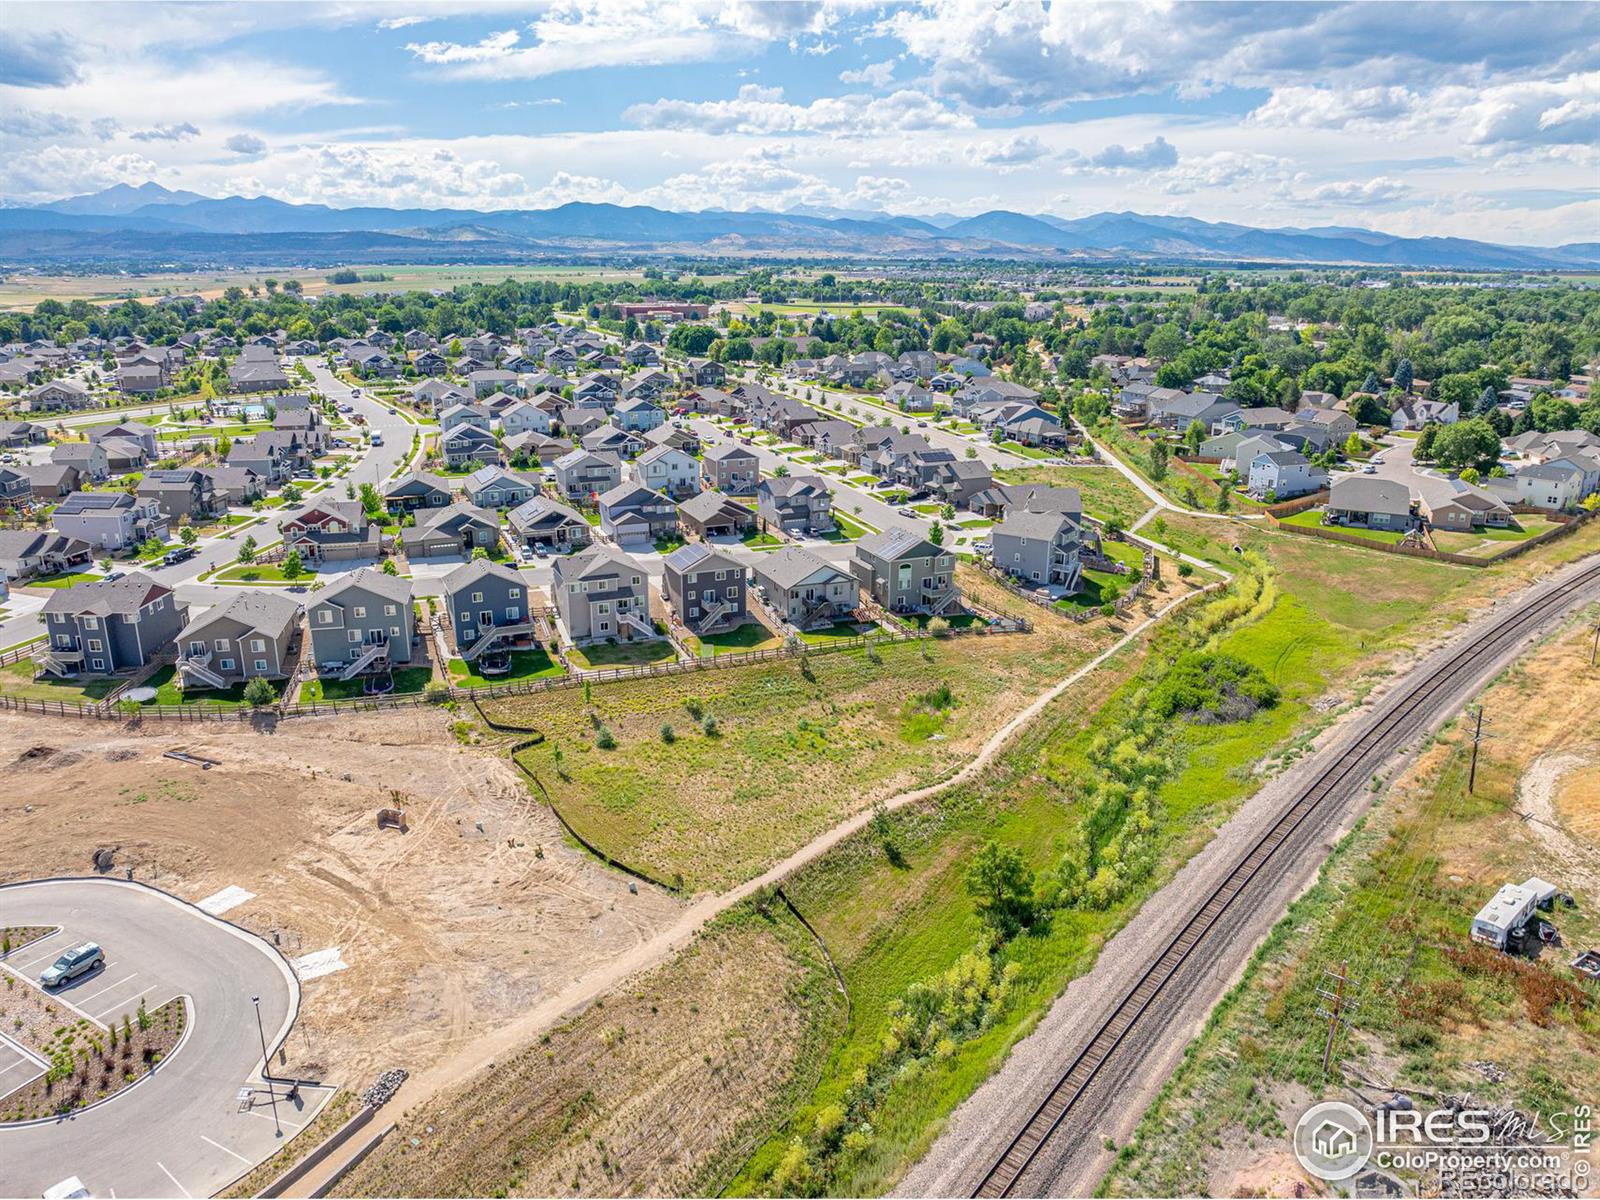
33, 962
225, 1150
250, 1112
22, 1062
174, 1179
125, 1003
107, 988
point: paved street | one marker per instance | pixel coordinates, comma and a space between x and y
181, 1131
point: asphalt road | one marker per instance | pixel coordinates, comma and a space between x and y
180, 1131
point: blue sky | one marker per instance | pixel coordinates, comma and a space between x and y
1461, 120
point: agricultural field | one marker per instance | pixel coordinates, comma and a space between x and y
657, 1090
793, 747
1434, 1013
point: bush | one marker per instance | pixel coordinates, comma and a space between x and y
1212, 688
436, 692
604, 739
258, 693
667, 735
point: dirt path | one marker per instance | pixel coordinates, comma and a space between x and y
507, 1038
1536, 793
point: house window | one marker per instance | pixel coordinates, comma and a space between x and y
477, 597
220, 644
513, 592
96, 644
604, 606
91, 623
352, 635
361, 611
226, 664
605, 626
513, 613
99, 664
325, 617
261, 664
257, 645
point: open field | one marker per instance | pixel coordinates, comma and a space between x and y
656, 1091
23, 291
796, 747
1395, 904
448, 929
1106, 491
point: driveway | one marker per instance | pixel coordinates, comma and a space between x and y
183, 1130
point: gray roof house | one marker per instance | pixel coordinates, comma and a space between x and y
706, 588
332, 531
89, 457
1039, 548
796, 504
248, 636
108, 625
456, 529
1374, 503
905, 572
468, 443
547, 522
183, 492
803, 590
668, 470
581, 473
711, 514
496, 487
632, 513
25, 553
418, 489
730, 467
362, 624
110, 520
490, 610
602, 594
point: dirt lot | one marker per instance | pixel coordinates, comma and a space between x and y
474, 914
658, 1090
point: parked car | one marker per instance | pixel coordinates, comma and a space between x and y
182, 554
77, 961
1369, 469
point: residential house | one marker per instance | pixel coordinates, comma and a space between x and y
235, 485
110, 520
436, 395
805, 591
250, 635
531, 447
601, 594
273, 455
706, 588
523, 417
668, 470
452, 530
647, 385
129, 431
637, 415
641, 354
458, 415
905, 572
51, 481
1339, 425
582, 474
608, 439
59, 395
362, 624
1367, 501
795, 504
183, 492
711, 514
89, 457
488, 380
1183, 410
257, 370
495, 487
909, 398
1414, 415
431, 363
1039, 548
16, 434
332, 531
140, 379
957, 481
15, 487
633, 513
547, 522
25, 553
678, 437
731, 468
1456, 505
123, 456
109, 625
580, 421
704, 372
1556, 484
1283, 475
469, 444
416, 490
490, 609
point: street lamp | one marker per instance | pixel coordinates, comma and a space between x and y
271, 1091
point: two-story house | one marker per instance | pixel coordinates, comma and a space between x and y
706, 588
490, 611
731, 468
250, 635
108, 625
633, 513
805, 591
1039, 548
905, 572
795, 504
582, 474
362, 624
182, 492
495, 487
548, 523
416, 490
456, 529
110, 520
332, 531
601, 594
668, 470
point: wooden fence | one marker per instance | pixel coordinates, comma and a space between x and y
1565, 524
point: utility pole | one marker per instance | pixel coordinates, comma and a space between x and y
1594, 650
1335, 1008
266, 1066
1477, 736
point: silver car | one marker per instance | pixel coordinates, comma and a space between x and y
79, 960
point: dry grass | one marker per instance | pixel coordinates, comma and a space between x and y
797, 746
656, 1091
1578, 804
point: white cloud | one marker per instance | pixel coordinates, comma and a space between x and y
166, 133
71, 170
1382, 190
1007, 154
762, 110
245, 143
400, 22
872, 75
1153, 154
1335, 108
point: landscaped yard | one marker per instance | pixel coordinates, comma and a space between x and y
168, 691
526, 665
1488, 542
16, 680
1312, 519
839, 631
622, 654
66, 579
750, 636
757, 538
255, 573
407, 681
848, 529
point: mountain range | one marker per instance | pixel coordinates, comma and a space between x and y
149, 222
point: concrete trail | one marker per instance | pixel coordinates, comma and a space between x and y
511, 1037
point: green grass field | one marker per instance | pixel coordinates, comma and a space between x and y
622, 654
1312, 519
750, 636
526, 665
16, 680
68, 579
1106, 491
407, 681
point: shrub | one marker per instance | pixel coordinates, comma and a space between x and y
667, 735
1212, 688
436, 692
604, 739
709, 726
258, 693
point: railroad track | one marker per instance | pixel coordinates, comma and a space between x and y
1400, 718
